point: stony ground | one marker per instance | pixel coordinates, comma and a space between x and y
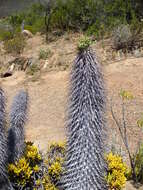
48, 91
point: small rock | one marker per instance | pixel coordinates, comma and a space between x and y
46, 64
27, 33
11, 68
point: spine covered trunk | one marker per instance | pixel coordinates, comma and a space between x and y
3, 142
85, 166
16, 134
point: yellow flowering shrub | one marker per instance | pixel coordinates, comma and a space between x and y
54, 160
55, 169
20, 172
32, 154
25, 172
36, 171
117, 170
48, 185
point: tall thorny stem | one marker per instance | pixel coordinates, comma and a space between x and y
3, 140
16, 134
85, 166
11, 146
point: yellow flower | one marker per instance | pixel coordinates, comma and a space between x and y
32, 153
55, 169
48, 185
126, 95
38, 182
36, 168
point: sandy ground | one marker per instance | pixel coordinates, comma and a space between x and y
48, 98
46, 105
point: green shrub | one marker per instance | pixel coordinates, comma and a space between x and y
59, 18
94, 17
116, 173
44, 54
16, 19
33, 17
15, 45
122, 37
74, 14
93, 30
33, 69
37, 26
5, 35
30, 15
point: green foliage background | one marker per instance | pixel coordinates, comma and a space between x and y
97, 17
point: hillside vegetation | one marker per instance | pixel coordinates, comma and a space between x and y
94, 17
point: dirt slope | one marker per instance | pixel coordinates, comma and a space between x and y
48, 97
46, 106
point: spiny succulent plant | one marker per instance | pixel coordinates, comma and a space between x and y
85, 166
3, 140
16, 135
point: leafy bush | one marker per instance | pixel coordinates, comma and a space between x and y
44, 54
59, 18
93, 30
29, 16
95, 17
32, 17
116, 172
37, 26
15, 45
122, 37
5, 35
32, 69
127, 37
